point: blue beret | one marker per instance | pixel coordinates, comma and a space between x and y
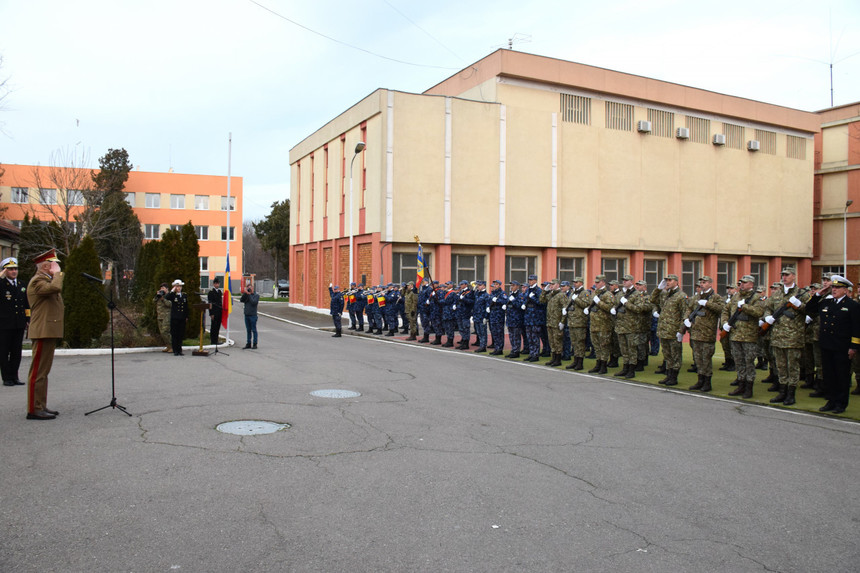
532, 277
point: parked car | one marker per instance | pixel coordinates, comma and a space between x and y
284, 288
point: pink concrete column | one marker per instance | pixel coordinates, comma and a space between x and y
443, 263
710, 267
549, 264
497, 264
804, 271
744, 265
774, 268
675, 264
637, 264
593, 265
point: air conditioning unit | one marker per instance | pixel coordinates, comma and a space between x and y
682, 133
719, 139
753, 145
643, 126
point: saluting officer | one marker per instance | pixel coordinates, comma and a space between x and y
215, 297
178, 315
14, 316
46, 328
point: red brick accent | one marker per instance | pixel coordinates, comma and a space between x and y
298, 285
313, 278
343, 267
327, 277
365, 264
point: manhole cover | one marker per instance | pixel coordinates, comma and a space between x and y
335, 394
250, 427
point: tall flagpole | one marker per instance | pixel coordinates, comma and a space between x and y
229, 157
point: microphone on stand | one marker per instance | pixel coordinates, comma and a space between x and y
92, 278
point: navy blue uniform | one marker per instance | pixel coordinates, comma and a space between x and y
839, 331
533, 319
336, 309
498, 305
480, 317
14, 316
449, 314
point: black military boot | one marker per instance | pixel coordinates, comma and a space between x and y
336, 334
748, 391
693, 368
673, 378
735, 382
513, 355
783, 391
740, 389
667, 377
808, 381
425, 338
391, 333
631, 372
603, 366
481, 349
596, 368
437, 341
640, 365
412, 337
661, 369
761, 364
776, 386
449, 343
731, 367
707, 386
556, 360
699, 384
496, 352
613, 362
351, 327
789, 396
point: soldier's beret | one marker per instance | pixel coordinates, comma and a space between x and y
9, 263
671, 277
351, 284
336, 287
706, 279
532, 277
628, 278
747, 279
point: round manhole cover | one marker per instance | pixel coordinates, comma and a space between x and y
251, 427
335, 394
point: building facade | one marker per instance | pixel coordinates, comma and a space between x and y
837, 192
160, 200
522, 164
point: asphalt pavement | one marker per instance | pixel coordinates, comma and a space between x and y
445, 461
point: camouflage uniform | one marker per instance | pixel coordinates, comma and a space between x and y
671, 304
577, 322
744, 333
410, 306
555, 321
632, 306
787, 337
602, 302
703, 333
162, 310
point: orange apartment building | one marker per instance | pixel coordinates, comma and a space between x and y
160, 200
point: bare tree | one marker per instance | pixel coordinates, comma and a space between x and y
257, 260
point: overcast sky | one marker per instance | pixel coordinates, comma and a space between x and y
168, 80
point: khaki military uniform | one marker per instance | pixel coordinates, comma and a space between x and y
601, 323
632, 306
788, 333
671, 304
744, 332
46, 329
703, 333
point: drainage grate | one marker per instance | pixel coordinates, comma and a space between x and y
335, 394
250, 427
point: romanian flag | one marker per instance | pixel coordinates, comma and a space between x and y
227, 305
420, 275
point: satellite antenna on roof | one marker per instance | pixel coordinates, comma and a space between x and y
517, 38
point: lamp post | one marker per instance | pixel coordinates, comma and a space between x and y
359, 147
845, 238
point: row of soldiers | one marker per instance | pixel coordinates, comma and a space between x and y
557, 319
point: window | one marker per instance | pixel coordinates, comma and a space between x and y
48, 196
518, 268
224, 203
404, 267
202, 232
467, 268
153, 201
795, 147
759, 273
833, 269
725, 276
177, 228
576, 109
224, 233
201, 203
204, 264
17, 223
74, 197
129, 198
690, 273
151, 231
20, 195
767, 139
700, 130
655, 271
177, 201
734, 135
569, 267
614, 269
204, 281
662, 122
619, 116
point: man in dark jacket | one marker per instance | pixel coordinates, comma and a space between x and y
336, 308
178, 315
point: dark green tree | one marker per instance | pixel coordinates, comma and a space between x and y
36, 238
180, 259
119, 240
114, 167
146, 283
86, 314
274, 234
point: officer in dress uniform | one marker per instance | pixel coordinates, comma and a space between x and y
46, 328
178, 315
215, 297
14, 316
839, 338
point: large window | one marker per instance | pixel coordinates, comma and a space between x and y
759, 273
201, 202
833, 269
74, 198
614, 269
725, 276
224, 233
48, 196
177, 201
569, 267
467, 268
404, 267
690, 273
20, 195
655, 271
518, 268
224, 203
202, 232
204, 264
151, 231
153, 201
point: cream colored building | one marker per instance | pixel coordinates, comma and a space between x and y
523, 164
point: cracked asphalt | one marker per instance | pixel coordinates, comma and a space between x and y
447, 461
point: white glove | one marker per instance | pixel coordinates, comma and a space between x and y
531, 295
494, 298
795, 301
596, 299
488, 309
703, 301
523, 307
330, 285
687, 323
461, 296
769, 319
471, 320
808, 319
727, 327
828, 296
760, 323
454, 307
426, 302
612, 311
662, 284
504, 307
585, 312
741, 303
511, 298
679, 337
564, 312
485, 321
623, 300
561, 326
655, 314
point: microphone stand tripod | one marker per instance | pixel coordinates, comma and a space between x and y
112, 306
